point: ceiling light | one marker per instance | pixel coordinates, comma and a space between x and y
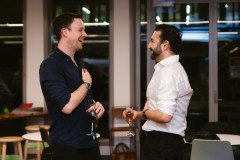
86, 10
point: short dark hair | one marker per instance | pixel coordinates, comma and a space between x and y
172, 34
63, 21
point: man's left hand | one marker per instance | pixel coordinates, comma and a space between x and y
99, 109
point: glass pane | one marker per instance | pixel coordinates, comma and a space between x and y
96, 47
192, 20
11, 24
229, 61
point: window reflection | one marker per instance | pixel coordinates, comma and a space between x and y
11, 49
229, 61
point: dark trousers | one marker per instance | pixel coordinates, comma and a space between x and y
163, 146
62, 152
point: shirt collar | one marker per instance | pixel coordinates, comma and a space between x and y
61, 54
167, 61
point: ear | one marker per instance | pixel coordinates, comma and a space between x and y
166, 45
64, 32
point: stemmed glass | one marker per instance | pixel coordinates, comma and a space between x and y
129, 118
93, 118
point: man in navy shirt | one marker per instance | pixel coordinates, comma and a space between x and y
66, 88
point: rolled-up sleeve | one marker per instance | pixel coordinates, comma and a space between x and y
167, 93
53, 83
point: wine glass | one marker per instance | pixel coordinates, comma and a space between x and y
129, 118
93, 118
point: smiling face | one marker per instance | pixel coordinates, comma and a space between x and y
155, 45
76, 35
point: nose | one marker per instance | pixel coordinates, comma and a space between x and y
149, 47
84, 34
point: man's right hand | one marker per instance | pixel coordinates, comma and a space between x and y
86, 77
135, 113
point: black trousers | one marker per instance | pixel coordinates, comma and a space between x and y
163, 146
62, 152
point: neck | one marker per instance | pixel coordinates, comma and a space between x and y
164, 55
66, 49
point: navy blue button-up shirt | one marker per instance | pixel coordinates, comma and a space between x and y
59, 77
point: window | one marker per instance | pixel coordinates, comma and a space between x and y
11, 49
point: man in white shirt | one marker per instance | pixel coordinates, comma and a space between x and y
168, 96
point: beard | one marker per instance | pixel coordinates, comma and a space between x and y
154, 55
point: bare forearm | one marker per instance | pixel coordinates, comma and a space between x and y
154, 115
76, 98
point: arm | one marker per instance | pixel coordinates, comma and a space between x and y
164, 105
79, 94
154, 115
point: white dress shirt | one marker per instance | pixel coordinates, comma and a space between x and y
169, 92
